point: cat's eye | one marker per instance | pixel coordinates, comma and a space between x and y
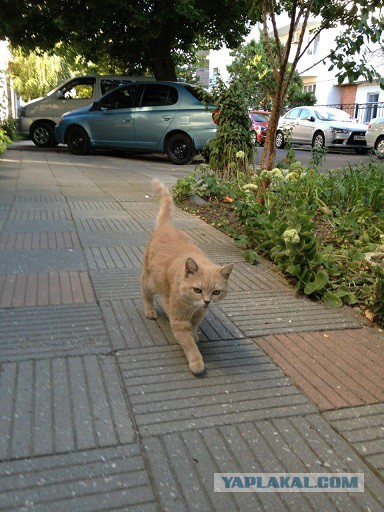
197, 290
216, 292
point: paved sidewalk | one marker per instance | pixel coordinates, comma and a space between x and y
98, 410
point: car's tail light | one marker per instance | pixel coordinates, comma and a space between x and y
215, 116
369, 126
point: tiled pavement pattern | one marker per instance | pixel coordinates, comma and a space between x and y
98, 410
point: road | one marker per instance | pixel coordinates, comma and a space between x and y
333, 159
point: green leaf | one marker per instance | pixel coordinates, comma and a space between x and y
332, 300
251, 256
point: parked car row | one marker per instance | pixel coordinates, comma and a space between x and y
134, 113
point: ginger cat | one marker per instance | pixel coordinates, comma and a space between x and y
187, 280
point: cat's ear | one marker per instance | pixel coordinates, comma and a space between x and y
225, 271
190, 266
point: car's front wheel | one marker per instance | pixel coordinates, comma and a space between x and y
379, 145
43, 135
78, 141
318, 140
280, 142
179, 149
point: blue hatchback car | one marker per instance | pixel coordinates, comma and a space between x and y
168, 117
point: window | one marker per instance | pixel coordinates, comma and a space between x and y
80, 88
123, 97
312, 48
304, 114
292, 114
158, 95
107, 85
310, 88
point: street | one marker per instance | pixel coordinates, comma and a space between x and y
333, 159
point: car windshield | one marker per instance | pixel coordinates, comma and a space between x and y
258, 118
333, 115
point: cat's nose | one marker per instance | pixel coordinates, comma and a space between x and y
207, 302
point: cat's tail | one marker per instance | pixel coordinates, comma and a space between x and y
166, 202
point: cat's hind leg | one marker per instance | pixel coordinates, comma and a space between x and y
148, 294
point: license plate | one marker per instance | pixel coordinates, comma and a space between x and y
358, 137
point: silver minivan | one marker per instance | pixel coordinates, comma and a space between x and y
38, 118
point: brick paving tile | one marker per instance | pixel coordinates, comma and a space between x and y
45, 288
334, 369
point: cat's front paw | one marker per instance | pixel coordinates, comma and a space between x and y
197, 366
196, 337
151, 314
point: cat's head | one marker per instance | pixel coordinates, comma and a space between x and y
205, 283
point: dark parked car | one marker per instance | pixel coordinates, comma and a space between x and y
259, 126
168, 117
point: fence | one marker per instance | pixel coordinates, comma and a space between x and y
363, 112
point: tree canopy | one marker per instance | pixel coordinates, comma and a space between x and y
134, 36
253, 72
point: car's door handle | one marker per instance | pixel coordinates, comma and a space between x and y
127, 120
166, 118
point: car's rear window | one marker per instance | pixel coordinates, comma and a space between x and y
200, 94
159, 95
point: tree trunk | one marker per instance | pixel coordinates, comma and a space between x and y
161, 60
269, 152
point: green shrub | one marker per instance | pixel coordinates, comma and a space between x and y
9, 127
4, 141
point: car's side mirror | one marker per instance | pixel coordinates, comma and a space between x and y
311, 118
60, 95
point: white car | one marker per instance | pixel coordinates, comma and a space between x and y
375, 134
322, 126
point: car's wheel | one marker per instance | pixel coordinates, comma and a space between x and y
43, 135
280, 142
318, 140
78, 141
179, 149
361, 151
379, 145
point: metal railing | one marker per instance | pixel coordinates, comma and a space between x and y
363, 112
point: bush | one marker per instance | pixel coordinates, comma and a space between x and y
9, 127
4, 141
317, 228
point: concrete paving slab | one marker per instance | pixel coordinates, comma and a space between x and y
121, 225
127, 325
45, 288
107, 239
47, 331
259, 313
88, 205
101, 258
98, 480
363, 428
335, 369
62, 405
39, 240
32, 226
116, 284
39, 213
184, 464
40, 260
241, 384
